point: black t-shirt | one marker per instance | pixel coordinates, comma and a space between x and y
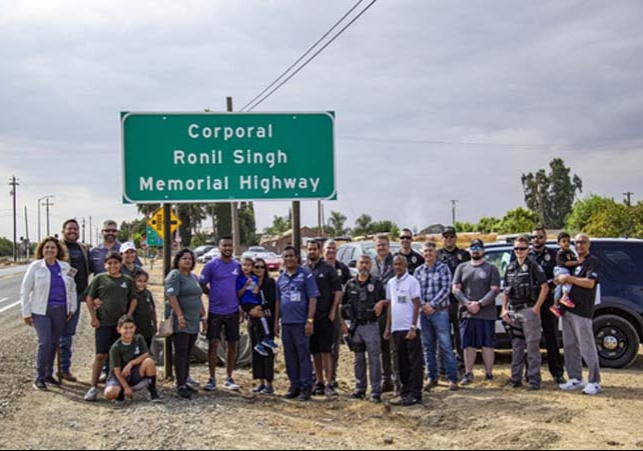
328, 283
79, 263
268, 295
343, 272
565, 256
546, 260
453, 258
585, 298
143, 313
414, 260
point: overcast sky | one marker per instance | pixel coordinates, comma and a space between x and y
435, 100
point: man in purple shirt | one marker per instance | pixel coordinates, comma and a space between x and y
219, 281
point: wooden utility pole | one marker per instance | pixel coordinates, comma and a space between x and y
453, 204
167, 266
296, 226
27, 243
234, 206
628, 197
14, 184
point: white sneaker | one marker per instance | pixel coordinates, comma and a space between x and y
92, 394
231, 385
592, 389
572, 385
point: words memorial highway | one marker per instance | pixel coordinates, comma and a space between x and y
186, 160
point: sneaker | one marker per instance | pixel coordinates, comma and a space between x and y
67, 376
560, 380
533, 387
397, 401
39, 384
292, 393
467, 380
410, 401
120, 400
488, 377
154, 395
192, 383
92, 394
555, 310
376, 399
259, 349
430, 385
185, 393
319, 390
330, 391
572, 385
358, 394
259, 388
269, 343
211, 385
592, 389
191, 388
268, 391
335, 384
305, 395
231, 385
103, 378
515, 384
567, 302
453, 386
52, 381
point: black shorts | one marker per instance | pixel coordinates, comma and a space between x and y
105, 336
134, 380
322, 340
224, 323
249, 307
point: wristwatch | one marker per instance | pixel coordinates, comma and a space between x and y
414, 328
310, 320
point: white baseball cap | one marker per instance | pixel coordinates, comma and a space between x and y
127, 246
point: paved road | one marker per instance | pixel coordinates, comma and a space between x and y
10, 280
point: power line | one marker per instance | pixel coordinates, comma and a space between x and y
276, 88
302, 56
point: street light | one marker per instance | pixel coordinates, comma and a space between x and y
49, 196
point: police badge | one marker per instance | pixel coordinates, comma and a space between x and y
371, 287
547, 258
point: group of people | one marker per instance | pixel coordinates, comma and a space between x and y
400, 314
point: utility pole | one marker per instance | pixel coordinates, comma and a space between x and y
47, 205
14, 184
234, 207
27, 243
90, 232
453, 204
628, 202
628, 198
83, 240
296, 226
320, 226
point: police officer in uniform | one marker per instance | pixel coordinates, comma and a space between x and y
383, 269
525, 293
546, 258
452, 256
361, 297
413, 258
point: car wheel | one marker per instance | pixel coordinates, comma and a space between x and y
616, 340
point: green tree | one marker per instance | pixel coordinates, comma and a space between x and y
247, 224
517, 221
6, 247
464, 227
280, 224
487, 225
386, 226
551, 195
583, 210
336, 224
363, 225
191, 216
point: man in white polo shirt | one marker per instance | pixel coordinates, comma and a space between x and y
403, 292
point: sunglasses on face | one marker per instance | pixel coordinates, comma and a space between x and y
520, 249
260, 267
110, 231
406, 238
449, 236
537, 237
476, 249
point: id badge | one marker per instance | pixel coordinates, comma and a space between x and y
363, 296
402, 299
295, 296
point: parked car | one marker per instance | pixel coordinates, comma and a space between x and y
273, 261
210, 255
351, 252
202, 250
253, 251
618, 315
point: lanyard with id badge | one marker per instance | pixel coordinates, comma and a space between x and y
402, 295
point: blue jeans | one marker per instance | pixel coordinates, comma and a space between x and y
48, 328
67, 338
436, 330
297, 354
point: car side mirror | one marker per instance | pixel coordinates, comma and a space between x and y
352, 264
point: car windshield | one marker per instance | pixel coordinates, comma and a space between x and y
267, 255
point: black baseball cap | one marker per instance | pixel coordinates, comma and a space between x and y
449, 230
477, 243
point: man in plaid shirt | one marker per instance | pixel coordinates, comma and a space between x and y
435, 281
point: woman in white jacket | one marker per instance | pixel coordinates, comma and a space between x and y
48, 300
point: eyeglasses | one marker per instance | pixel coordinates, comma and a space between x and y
406, 238
537, 237
449, 236
260, 267
582, 242
521, 249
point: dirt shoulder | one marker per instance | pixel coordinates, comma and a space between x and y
485, 416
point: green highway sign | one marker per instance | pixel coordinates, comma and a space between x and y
153, 238
205, 157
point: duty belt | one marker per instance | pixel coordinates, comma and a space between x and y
365, 322
522, 306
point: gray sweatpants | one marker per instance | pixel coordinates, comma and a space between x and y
579, 345
530, 325
368, 336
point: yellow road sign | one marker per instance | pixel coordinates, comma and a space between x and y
156, 222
